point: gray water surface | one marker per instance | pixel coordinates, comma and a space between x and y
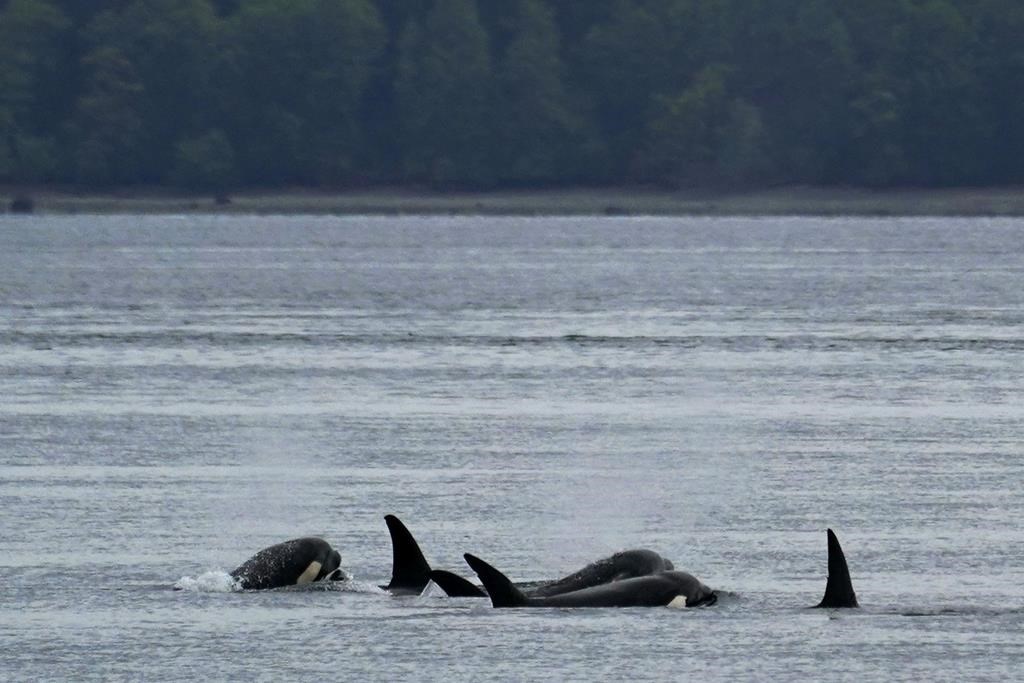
179, 392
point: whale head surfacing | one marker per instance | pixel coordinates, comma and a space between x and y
293, 563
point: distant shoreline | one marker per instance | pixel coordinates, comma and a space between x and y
618, 201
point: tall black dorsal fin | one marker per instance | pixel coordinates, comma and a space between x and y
410, 571
454, 585
498, 586
839, 589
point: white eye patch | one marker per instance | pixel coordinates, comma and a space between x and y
307, 576
678, 602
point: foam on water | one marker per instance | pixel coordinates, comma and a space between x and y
217, 581
214, 581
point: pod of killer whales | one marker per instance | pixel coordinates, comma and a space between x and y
631, 578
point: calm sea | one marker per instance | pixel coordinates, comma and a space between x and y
179, 392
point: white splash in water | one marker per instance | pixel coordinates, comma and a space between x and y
208, 582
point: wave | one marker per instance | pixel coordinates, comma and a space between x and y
726, 342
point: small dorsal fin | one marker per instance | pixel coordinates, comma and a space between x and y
499, 587
455, 586
410, 571
839, 589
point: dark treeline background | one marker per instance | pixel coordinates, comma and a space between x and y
214, 94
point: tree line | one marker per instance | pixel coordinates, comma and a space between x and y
215, 94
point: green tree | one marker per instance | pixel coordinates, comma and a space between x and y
575, 19
540, 133
795, 64
877, 156
875, 153
476, 92
1000, 74
443, 94
621, 64
944, 128
81, 11
108, 123
297, 77
31, 37
169, 49
705, 135
397, 13
742, 157
205, 162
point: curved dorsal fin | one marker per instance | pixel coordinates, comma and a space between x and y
498, 586
410, 571
839, 589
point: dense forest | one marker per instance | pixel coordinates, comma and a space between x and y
216, 94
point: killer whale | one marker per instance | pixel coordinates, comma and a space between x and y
660, 589
291, 563
668, 588
410, 571
626, 564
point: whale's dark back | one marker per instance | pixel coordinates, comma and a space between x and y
283, 564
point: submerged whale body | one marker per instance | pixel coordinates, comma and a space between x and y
292, 563
632, 578
666, 588
661, 589
410, 571
627, 564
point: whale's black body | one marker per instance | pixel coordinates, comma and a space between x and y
411, 572
628, 564
631, 578
295, 562
660, 589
